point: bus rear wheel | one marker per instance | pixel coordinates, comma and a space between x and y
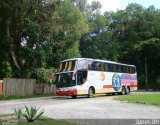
127, 90
90, 92
123, 91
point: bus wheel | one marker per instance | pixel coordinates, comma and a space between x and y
74, 96
90, 92
123, 91
127, 90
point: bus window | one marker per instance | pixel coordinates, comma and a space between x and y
82, 65
62, 67
119, 68
127, 69
73, 64
89, 62
106, 67
98, 66
102, 67
110, 67
95, 66
133, 70
67, 66
114, 68
81, 77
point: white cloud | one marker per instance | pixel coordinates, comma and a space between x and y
108, 5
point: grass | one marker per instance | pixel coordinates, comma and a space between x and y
46, 121
149, 99
23, 97
42, 121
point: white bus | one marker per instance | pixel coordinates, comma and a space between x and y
83, 76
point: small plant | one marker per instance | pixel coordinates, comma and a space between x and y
32, 113
18, 112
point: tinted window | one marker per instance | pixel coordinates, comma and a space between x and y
65, 80
106, 67
118, 68
81, 77
102, 67
95, 66
110, 67
67, 66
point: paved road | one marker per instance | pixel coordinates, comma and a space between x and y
103, 107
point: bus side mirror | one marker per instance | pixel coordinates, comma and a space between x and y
74, 76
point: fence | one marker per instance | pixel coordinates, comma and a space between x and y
44, 89
18, 87
24, 87
1, 89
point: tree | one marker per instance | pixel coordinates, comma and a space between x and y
22, 33
37, 33
147, 49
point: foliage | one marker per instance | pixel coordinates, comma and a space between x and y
42, 74
36, 35
18, 112
32, 113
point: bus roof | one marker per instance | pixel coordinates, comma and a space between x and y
99, 60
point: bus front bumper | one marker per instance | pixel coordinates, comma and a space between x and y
66, 93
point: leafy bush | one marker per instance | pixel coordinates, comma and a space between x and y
42, 74
32, 113
18, 112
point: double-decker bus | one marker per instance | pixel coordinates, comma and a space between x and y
84, 76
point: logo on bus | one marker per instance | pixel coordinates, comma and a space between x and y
116, 82
102, 76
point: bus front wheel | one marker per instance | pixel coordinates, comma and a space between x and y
90, 92
74, 96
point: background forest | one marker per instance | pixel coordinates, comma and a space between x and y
35, 35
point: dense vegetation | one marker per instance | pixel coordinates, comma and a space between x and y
36, 34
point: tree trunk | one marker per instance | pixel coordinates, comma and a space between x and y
146, 73
11, 45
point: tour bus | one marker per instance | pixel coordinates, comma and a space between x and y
85, 76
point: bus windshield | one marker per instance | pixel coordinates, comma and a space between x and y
65, 80
67, 66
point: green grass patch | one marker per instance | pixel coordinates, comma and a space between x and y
46, 121
149, 99
10, 119
24, 97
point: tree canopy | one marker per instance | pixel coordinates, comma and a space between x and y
35, 35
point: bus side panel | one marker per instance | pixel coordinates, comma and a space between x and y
101, 81
129, 80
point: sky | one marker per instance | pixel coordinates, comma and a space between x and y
113, 5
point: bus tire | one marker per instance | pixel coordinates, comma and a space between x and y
123, 90
74, 96
90, 92
127, 90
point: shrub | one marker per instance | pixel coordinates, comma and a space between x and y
32, 113
42, 74
18, 112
